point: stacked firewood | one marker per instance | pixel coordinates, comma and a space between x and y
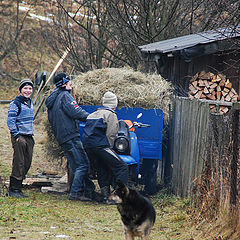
212, 87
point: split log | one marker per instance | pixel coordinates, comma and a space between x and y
195, 77
228, 84
216, 78
193, 90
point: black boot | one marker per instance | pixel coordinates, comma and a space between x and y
106, 192
95, 196
15, 188
20, 187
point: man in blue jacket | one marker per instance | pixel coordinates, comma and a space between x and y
64, 115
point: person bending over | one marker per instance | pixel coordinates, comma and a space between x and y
98, 139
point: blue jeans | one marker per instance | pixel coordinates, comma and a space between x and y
79, 163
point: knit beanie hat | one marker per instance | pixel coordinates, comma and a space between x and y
61, 79
110, 100
25, 82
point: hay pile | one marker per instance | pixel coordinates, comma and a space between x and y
133, 88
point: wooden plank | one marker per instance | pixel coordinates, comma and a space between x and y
193, 112
186, 146
219, 89
176, 139
222, 103
212, 97
5, 101
180, 185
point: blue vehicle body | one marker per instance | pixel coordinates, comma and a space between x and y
149, 140
134, 157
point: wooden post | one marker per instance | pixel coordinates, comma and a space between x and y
41, 87
234, 160
51, 75
38, 107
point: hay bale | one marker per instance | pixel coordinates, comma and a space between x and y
133, 88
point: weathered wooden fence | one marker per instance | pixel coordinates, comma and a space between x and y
195, 132
187, 139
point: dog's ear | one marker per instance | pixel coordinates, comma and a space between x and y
122, 187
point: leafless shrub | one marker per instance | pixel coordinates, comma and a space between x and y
212, 191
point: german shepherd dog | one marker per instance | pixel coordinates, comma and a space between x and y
137, 212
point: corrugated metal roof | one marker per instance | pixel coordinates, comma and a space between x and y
191, 40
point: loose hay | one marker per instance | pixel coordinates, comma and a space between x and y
133, 88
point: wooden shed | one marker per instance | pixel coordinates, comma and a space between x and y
186, 152
179, 59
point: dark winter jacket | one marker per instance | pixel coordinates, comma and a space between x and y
64, 115
101, 128
20, 117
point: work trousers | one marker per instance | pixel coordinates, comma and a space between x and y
22, 155
108, 165
79, 163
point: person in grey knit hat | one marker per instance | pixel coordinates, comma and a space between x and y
110, 100
98, 139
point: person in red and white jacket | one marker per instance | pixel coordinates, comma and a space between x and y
64, 114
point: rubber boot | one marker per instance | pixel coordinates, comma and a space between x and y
95, 196
106, 192
15, 187
20, 187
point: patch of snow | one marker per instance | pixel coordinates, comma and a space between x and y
25, 9
34, 16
